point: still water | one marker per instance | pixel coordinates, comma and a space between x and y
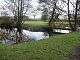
27, 34
33, 35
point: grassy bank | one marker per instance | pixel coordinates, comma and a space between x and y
54, 48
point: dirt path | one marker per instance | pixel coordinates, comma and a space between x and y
76, 54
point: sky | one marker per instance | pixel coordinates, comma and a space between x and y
1, 1
35, 5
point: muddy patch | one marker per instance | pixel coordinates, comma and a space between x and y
76, 54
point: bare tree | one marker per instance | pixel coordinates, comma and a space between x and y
69, 16
75, 17
53, 12
19, 9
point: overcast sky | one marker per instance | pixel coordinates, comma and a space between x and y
35, 4
1, 1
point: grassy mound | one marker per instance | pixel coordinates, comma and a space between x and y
54, 48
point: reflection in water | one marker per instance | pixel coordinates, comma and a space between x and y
61, 31
29, 34
8, 42
26, 33
36, 35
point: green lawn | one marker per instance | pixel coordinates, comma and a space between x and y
54, 48
35, 24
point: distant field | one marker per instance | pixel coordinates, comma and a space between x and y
35, 24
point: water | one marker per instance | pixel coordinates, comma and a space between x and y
35, 35
31, 35
8, 42
27, 35
61, 31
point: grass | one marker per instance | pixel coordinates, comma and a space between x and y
35, 24
54, 48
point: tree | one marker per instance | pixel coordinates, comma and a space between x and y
75, 17
69, 17
45, 14
53, 5
19, 9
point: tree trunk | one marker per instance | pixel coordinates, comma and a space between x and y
52, 14
75, 18
69, 17
19, 22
